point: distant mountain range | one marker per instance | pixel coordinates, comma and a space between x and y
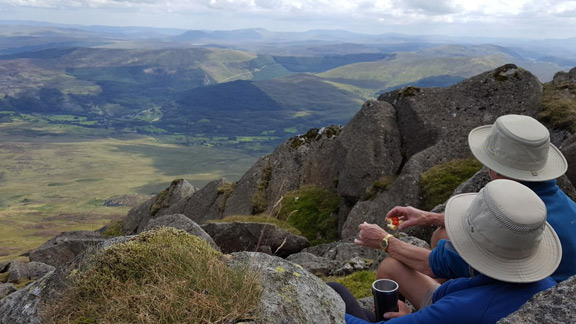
249, 82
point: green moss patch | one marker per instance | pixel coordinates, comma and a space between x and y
439, 182
113, 229
359, 283
313, 211
377, 187
161, 276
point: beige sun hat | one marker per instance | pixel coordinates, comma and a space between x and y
519, 148
502, 232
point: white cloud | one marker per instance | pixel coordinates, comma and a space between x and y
457, 16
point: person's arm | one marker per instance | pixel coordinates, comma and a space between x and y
415, 217
413, 256
371, 235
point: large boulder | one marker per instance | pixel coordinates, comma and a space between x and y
65, 247
556, 305
159, 205
291, 294
268, 238
434, 124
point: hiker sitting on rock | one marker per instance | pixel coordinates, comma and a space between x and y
502, 233
515, 147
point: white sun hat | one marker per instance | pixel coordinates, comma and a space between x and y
502, 232
518, 147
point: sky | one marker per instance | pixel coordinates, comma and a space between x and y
525, 19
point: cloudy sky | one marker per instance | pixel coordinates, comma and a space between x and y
504, 18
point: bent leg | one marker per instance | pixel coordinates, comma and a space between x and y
352, 305
413, 285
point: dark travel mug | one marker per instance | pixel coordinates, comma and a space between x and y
385, 292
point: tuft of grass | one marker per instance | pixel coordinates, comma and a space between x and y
259, 219
439, 181
359, 283
313, 211
161, 276
559, 105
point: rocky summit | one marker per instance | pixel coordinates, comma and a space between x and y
370, 165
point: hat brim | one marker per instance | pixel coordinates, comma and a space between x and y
538, 266
555, 167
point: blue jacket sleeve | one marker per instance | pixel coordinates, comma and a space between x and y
446, 263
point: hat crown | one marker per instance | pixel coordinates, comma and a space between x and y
507, 218
518, 141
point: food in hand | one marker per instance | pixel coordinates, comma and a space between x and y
393, 222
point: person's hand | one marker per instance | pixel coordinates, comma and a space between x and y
403, 309
415, 217
370, 235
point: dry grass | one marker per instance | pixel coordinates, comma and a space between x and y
559, 106
161, 276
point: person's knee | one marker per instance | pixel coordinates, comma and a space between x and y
439, 234
388, 268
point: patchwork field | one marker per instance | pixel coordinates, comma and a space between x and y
50, 184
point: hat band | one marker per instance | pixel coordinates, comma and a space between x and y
509, 224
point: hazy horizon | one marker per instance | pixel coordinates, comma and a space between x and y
526, 19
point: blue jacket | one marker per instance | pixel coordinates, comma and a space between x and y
446, 263
477, 300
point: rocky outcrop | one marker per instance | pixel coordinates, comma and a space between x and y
65, 247
556, 305
434, 124
291, 294
159, 205
267, 238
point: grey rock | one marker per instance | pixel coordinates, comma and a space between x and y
291, 294
556, 305
238, 236
18, 271
37, 270
4, 265
568, 148
6, 289
434, 124
205, 204
182, 222
139, 216
369, 147
21, 307
319, 266
65, 247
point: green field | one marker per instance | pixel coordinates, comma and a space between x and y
54, 183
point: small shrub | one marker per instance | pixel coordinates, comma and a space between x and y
161, 276
313, 211
439, 182
359, 283
259, 219
409, 91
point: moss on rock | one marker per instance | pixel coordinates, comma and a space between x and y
313, 211
439, 182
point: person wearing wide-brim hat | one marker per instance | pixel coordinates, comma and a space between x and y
502, 232
515, 147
